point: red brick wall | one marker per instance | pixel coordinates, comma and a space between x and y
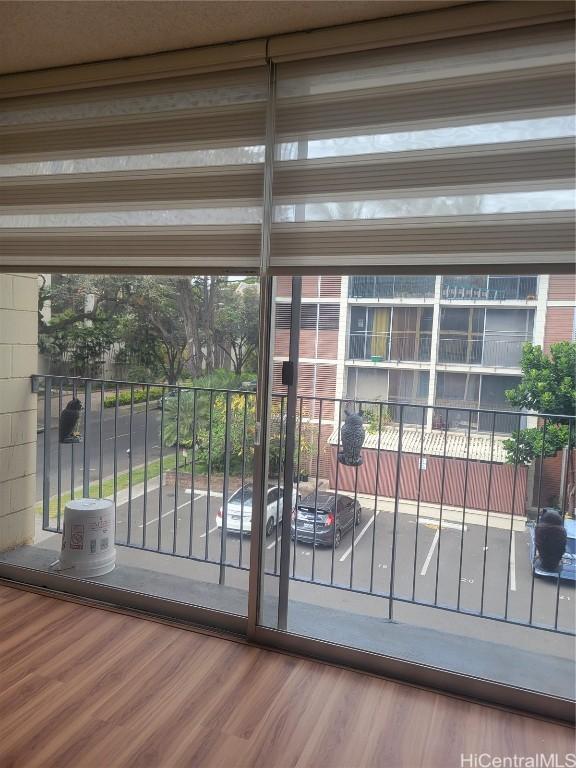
559, 325
313, 286
562, 288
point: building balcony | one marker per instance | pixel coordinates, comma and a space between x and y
408, 346
390, 287
489, 288
482, 350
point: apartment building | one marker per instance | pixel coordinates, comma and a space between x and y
445, 341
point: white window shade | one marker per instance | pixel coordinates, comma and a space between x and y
166, 174
428, 156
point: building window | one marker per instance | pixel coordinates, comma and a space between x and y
325, 317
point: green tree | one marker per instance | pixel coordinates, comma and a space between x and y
548, 386
198, 417
162, 326
236, 324
153, 329
83, 320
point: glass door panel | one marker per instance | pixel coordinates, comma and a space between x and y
146, 406
409, 532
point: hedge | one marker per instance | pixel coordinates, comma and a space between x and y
125, 398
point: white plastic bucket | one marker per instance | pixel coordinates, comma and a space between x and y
88, 538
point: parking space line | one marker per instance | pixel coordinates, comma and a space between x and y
513, 563
430, 552
155, 519
203, 535
169, 512
445, 523
357, 539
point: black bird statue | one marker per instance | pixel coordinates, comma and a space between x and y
352, 436
69, 419
550, 537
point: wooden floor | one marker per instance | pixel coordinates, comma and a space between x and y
83, 687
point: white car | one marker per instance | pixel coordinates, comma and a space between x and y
239, 510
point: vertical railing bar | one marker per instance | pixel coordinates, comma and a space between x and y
209, 473
280, 443
130, 424
242, 478
464, 508
100, 443
538, 516
354, 515
316, 487
336, 489
512, 520
377, 482
297, 484
488, 499
192, 477
441, 508
224, 530
46, 456
59, 461
176, 473
145, 497
87, 438
72, 454
115, 469
161, 471
563, 511
352, 553
396, 509
418, 498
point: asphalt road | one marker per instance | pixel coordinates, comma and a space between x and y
117, 436
428, 566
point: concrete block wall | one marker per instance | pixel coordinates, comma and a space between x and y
18, 361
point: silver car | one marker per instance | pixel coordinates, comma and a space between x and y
239, 509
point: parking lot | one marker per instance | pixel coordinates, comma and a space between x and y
474, 567
460, 567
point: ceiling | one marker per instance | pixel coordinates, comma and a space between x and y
37, 34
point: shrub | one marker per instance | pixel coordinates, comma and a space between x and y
125, 397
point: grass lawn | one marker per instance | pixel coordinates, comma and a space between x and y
122, 482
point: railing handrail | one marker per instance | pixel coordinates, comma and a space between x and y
480, 336
323, 398
79, 379
390, 333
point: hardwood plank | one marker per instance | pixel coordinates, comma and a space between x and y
82, 687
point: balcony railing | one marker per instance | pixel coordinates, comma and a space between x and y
488, 351
454, 414
392, 346
390, 287
494, 288
429, 517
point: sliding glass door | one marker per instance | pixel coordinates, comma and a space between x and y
299, 299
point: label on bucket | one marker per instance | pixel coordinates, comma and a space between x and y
77, 536
99, 525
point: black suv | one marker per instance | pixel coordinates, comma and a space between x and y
323, 519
